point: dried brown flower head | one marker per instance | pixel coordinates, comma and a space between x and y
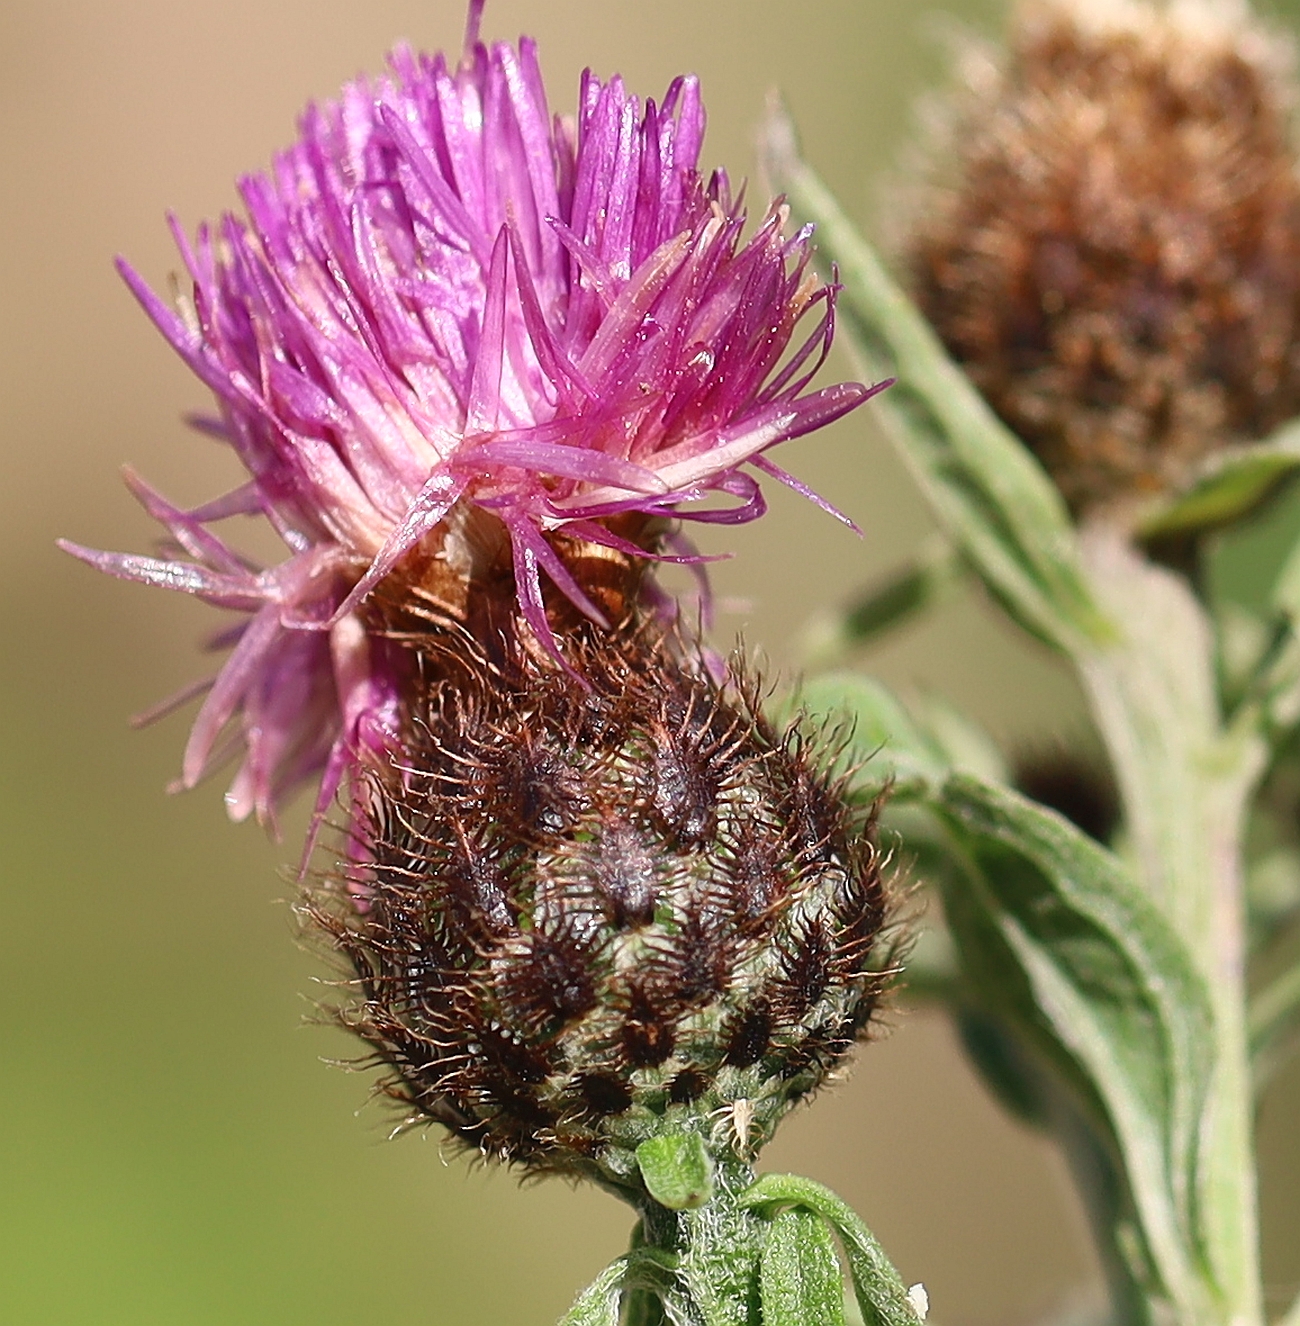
591, 906
1115, 256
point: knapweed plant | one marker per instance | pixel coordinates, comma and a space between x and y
596, 913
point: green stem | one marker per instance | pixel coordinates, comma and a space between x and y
641, 1307
721, 1244
714, 1250
1185, 783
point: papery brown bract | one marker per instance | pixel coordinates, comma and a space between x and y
590, 904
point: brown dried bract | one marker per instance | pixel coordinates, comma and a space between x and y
1115, 257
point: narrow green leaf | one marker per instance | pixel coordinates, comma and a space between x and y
1234, 481
889, 603
1058, 942
987, 491
598, 1304
677, 1170
800, 1283
645, 1269
881, 1293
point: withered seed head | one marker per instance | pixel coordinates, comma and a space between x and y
1115, 255
592, 904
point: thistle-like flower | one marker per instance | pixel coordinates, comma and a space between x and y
455, 341
1114, 249
477, 364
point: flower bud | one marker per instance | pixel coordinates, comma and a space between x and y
1115, 256
598, 900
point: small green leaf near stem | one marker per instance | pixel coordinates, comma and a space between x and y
923, 582
882, 1296
598, 1304
1232, 482
677, 1170
800, 1283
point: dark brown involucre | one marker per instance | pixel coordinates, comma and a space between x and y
1116, 256
595, 903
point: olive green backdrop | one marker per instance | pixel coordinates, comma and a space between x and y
172, 1148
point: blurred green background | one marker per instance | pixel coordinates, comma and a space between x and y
172, 1148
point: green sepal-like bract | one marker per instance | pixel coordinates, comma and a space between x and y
677, 1170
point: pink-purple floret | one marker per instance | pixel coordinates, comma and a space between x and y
441, 294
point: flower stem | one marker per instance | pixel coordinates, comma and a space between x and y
716, 1248
1185, 778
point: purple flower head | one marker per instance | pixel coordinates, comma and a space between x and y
447, 313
